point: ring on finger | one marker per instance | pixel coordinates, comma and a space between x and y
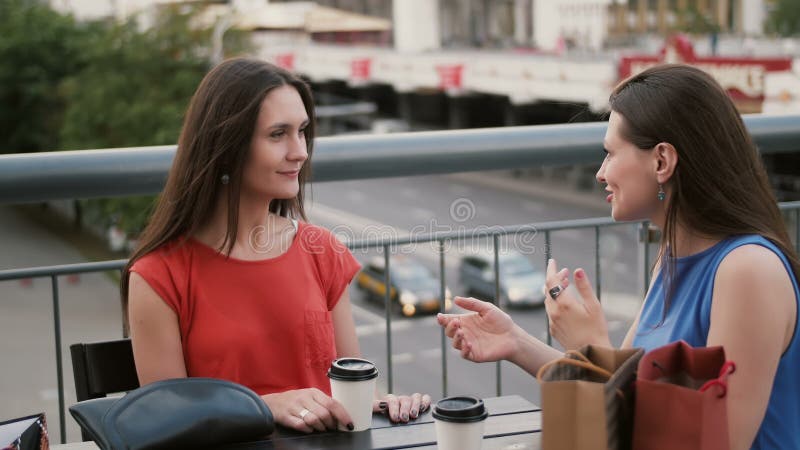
303, 413
555, 292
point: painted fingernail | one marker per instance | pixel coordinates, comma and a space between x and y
383, 405
350, 427
579, 274
405, 417
414, 413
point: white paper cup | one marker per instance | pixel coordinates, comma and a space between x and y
353, 385
459, 423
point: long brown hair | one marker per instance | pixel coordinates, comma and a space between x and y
719, 186
215, 141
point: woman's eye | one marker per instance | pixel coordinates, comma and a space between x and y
276, 134
302, 132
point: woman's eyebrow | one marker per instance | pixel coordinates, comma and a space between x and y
288, 125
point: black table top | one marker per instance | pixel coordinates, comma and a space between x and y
513, 423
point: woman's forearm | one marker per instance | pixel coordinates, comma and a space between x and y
531, 353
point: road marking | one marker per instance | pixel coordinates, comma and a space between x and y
431, 353
355, 196
459, 189
409, 192
403, 358
366, 315
534, 207
380, 328
422, 213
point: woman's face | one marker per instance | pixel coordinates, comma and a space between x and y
629, 175
278, 146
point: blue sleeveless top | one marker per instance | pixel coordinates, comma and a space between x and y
689, 318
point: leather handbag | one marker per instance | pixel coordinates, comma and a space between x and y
681, 398
178, 413
25, 433
587, 399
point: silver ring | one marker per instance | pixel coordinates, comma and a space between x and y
555, 292
303, 413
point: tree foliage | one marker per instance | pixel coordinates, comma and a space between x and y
72, 85
38, 49
784, 18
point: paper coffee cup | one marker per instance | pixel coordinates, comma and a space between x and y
353, 385
459, 423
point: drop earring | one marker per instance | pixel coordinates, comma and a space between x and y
225, 178
661, 194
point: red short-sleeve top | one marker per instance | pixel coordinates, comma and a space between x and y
264, 324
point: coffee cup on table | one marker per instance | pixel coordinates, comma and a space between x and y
353, 385
459, 423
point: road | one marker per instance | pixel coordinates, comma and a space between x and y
398, 207
353, 209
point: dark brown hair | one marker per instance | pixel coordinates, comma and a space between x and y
215, 141
719, 187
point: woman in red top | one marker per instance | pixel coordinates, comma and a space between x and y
226, 283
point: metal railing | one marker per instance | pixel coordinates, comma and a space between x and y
83, 174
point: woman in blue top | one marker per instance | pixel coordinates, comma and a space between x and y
678, 154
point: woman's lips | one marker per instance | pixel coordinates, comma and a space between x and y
609, 197
291, 174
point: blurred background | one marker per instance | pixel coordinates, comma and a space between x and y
95, 74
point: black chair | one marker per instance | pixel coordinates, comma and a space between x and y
103, 368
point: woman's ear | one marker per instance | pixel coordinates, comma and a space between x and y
666, 159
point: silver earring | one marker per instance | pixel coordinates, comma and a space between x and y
225, 179
661, 194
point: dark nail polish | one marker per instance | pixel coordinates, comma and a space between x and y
405, 417
383, 405
350, 426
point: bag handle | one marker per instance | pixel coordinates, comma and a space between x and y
582, 362
722, 381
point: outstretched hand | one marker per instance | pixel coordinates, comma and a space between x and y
484, 334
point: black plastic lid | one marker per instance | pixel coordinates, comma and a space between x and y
460, 410
352, 369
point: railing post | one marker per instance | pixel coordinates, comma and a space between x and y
547, 256
388, 298
443, 309
644, 237
498, 368
597, 261
797, 230
59, 368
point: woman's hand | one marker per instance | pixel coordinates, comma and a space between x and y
486, 334
402, 408
307, 410
572, 323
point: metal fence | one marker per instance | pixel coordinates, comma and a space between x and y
82, 174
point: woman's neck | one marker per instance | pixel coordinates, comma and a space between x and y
689, 242
259, 233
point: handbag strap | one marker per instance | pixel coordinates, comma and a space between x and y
722, 381
584, 363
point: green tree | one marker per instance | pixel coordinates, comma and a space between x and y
134, 92
784, 18
38, 49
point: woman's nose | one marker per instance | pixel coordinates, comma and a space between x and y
600, 176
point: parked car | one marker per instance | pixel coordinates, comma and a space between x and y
413, 289
520, 282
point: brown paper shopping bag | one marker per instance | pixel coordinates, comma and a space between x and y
587, 399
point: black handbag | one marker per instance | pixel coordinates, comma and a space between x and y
25, 433
173, 414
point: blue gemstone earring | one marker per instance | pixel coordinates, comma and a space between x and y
225, 179
661, 194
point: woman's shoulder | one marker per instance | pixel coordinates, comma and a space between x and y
317, 239
170, 254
